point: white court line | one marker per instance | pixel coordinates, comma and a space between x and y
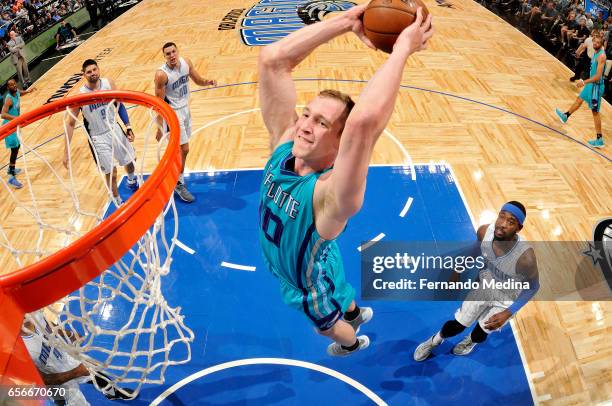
261, 168
270, 361
406, 207
371, 242
224, 118
218, 170
239, 267
519, 344
52, 57
184, 247
407, 158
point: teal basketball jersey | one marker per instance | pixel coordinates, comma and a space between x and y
593, 92
594, 64
11, 140
15, 108
309, 267
292, 248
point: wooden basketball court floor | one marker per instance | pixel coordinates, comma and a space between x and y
481, 98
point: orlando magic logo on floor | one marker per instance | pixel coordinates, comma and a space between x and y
314, 11
602, 239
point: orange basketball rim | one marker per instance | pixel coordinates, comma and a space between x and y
55, 276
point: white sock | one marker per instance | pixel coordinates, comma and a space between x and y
131, 176
181, 179
437, 339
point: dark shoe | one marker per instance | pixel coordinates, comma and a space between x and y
183, 193
119, 394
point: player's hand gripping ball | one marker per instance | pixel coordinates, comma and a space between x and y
384, 20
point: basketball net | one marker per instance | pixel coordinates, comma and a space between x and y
119, 324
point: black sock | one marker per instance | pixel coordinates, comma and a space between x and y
478, 335
451, 328
13, 160
567, 114
599, 136
352, 347
352, 315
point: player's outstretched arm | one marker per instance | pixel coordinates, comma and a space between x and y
366, 122
196, 77
28, 90
527, 267
277, 93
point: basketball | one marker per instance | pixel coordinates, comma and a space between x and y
383, 20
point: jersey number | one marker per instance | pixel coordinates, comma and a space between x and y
268, 218
183, 91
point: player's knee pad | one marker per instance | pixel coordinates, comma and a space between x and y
478, 334
451, 328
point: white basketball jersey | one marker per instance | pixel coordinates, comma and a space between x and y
48, 359
100, 117
177, 87
503, 267
52, 360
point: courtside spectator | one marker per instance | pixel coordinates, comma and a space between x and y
65, 33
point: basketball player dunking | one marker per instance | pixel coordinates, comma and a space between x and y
316, 177
507, 256
107, 140
172, 85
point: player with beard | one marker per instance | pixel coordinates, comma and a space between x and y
107, 139
592, 92
507, 257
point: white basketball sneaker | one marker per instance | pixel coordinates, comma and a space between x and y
365, 315
336, 350
423, 351
464, 347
